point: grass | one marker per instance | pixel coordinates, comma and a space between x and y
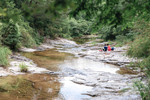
144, 89
23, 67
4, 53
140, 47
123, 90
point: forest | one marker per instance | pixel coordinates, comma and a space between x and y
26, 23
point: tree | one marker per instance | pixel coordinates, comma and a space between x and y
114, 13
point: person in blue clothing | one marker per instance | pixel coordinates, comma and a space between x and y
105, 48
112, 48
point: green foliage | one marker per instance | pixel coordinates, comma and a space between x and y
15, 32
63, 27
145, 64
28, 36
16, 35
126, 39
10, 13
107, 32
76, 28
113, 12
24, 20
23, 67
4, 53
144, 89
113, 17
140, 47
10, 36
27, 40
45, 21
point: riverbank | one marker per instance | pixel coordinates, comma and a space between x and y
13, 68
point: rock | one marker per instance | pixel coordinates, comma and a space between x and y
19, 58
23, 49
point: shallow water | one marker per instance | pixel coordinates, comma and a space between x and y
61, 86
30, 87
82, 64
68, 66
49, 59
73, 91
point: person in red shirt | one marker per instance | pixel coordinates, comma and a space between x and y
109, 48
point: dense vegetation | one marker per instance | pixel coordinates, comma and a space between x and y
27, 22
24, 23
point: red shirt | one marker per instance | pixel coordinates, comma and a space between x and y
109, 48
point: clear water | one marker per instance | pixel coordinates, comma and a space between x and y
69, 66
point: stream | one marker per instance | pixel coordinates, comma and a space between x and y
75, 78
68, 67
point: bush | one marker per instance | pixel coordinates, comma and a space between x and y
23, 67
140, 47
107, 33
10, 36
127, 38
72, 27
144, 89
145, 64
15, 31
4, 52
28, 38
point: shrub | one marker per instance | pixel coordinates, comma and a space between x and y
107, 32
140, 47
144, 89
14, 28
75, 28
26, 31
23, 67
145, 64
10, 35
4, 52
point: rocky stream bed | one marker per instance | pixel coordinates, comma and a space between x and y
90, 73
